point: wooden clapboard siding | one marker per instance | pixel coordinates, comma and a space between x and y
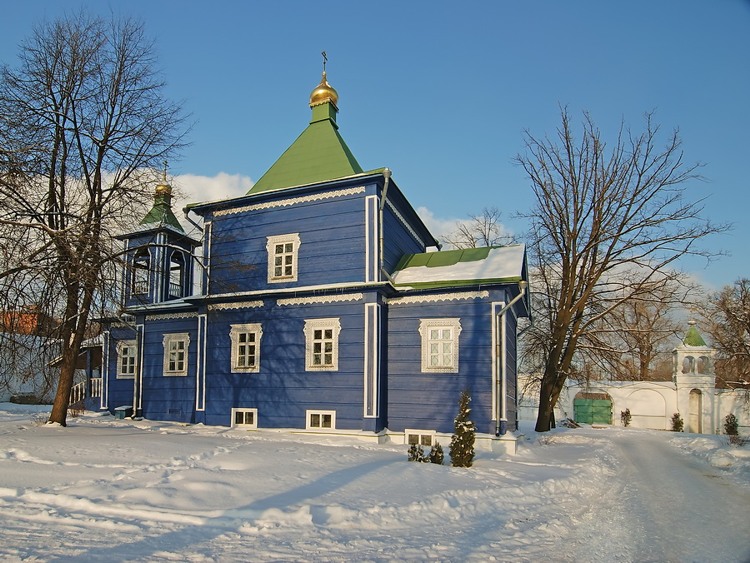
421, 398
330, 231
119, 390
282, 389
511, 355
168, 397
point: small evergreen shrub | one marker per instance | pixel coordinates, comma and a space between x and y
732, 429
436, 454
677, 424
462, 441
731, 425
416, 453
625, 417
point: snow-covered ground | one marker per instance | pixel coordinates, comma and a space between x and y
109, 490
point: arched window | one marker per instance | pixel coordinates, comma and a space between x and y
688, 364
141, 267
176, 274
704, 365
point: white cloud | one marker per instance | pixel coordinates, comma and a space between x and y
437, 226
191, 188
441, 228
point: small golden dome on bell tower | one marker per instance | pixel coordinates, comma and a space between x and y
163, 189
323, 93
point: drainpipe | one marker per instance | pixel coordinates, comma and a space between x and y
387, 176
502, 384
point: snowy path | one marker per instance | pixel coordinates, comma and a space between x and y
691, 511
107, 490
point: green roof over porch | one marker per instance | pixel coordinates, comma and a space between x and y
456, 268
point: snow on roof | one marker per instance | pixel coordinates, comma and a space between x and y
462, 267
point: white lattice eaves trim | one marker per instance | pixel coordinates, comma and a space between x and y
333, 298
290, 201
438, 297
404, 223
165, 316
236, 305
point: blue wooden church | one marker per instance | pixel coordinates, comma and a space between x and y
317, 302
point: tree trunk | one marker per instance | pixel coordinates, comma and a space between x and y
72, 340
59, 412
547, 399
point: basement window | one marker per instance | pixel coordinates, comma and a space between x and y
321, 420
245, 418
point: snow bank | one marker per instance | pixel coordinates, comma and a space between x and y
106, 489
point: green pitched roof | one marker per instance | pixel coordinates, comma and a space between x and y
693, 337
319, 154
161, 213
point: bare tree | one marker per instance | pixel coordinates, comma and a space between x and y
485, 229
634, 341
601, 213
83, 120
726, 316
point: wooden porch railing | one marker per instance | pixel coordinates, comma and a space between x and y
78, 391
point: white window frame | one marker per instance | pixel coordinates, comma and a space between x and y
168, 341
313, 326
235, 333
427, 328
126, 349
309, 414
271, 243
425, 438
253, 412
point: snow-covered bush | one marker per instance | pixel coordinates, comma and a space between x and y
436, 454
677, 424
416, 453
462, 441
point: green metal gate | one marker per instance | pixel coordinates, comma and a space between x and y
593, 411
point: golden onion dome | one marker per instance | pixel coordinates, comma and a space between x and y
323, 93
163, 189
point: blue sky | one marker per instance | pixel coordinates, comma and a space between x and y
441, 92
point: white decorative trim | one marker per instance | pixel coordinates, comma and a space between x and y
285, 239
372, 239
166, 341
404, 223
130, 345
234, 333
453, 325
290, 201
437, 297
331, 298
311, 325
165, 316
236, 305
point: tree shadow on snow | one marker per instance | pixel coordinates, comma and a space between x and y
232, 519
